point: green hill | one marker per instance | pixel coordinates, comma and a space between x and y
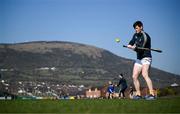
67, 62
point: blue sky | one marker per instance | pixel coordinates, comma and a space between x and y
97, 23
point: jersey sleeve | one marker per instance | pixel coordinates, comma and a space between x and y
120, 81
133, 40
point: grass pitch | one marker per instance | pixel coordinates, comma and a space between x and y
164, 105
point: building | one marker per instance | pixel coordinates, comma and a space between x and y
93, 93
145, 91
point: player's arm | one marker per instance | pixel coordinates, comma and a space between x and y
131, 44
119, 83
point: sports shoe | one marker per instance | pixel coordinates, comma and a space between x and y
150, 97
137, 97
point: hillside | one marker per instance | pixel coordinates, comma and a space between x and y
72, 63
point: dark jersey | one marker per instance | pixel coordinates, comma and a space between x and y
123, 83
141, 40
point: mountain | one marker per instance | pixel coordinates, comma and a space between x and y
69, 63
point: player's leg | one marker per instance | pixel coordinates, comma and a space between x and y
145, 72
136, 72
123, 95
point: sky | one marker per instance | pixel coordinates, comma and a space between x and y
96, 23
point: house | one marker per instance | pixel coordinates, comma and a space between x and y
145, 91
93, 93
174, 85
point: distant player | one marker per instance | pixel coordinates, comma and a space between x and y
130, 92
110, 90
123, 86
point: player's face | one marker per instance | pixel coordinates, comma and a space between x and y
138, 29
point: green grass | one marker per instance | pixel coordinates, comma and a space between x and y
166, 105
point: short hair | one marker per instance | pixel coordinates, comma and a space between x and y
138, 23
110, 82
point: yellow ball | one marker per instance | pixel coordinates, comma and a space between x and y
117, 40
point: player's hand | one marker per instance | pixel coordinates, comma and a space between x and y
131, 47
